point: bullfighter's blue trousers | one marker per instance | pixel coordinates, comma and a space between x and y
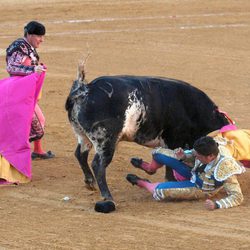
181, 168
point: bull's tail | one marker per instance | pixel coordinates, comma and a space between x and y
79, 85
81, 71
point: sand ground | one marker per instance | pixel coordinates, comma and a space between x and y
202, 42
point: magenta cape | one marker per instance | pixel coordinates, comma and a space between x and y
18, 96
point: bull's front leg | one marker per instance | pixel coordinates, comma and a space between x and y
81, 153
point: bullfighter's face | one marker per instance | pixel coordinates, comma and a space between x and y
204, 159
35, 40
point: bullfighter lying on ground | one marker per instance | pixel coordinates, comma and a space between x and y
201, 172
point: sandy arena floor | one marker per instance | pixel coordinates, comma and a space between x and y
202, 42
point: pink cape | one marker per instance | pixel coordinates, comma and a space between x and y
18, 96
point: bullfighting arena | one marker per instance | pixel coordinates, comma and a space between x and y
202, 42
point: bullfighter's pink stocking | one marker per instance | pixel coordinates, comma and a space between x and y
151, 167
147, 185
38, 147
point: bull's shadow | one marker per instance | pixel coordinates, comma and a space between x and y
151, 111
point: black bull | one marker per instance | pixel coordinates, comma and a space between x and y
151, 111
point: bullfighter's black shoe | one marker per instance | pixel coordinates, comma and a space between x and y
47, 155
137, 163
133, 179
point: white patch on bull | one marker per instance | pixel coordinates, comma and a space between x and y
134, 116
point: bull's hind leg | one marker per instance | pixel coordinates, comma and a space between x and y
99, 164
102, 158
81, 153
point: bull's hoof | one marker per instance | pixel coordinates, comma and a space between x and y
90, 184
105, 206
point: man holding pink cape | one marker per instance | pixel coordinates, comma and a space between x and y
21, 119
22, 60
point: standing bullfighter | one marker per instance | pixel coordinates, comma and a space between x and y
22, 59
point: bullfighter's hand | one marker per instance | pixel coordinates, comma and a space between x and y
179, 152
39, 69
210, 205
